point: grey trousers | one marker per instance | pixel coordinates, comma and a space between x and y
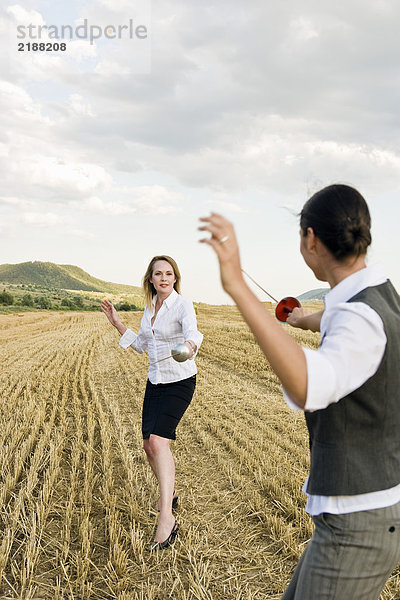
349, 557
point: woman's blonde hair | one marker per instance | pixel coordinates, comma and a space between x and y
148, 287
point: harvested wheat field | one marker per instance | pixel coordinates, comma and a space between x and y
77, 494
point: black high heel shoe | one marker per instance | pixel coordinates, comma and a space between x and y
168, 542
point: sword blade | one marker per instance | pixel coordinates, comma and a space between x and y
261, 288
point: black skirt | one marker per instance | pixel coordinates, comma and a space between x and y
164, 405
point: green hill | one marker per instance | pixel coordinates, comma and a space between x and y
67, 277
317, 294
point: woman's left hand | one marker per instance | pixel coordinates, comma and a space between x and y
223, 241
191, 348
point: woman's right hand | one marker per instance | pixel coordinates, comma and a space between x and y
223, 241
304, 319
296, 318
110, 312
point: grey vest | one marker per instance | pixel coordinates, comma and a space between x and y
355, 443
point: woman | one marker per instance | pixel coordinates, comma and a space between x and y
349, 390
168, 319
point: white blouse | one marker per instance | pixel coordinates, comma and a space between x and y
353, 344
175, 323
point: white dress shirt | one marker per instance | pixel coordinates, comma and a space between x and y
352, 348
175, 323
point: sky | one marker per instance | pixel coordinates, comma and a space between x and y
111, 149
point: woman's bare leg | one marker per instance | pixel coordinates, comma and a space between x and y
162, 462
150, 458
147, 449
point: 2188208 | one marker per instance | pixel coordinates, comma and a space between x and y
42, 46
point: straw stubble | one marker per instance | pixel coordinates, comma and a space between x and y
77, 495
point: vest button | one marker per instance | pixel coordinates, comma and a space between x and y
391, 529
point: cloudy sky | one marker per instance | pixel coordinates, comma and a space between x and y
112, 149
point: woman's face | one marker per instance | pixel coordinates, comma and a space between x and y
163, 277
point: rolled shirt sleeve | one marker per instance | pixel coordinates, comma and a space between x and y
351, 351
189, 324
134, 340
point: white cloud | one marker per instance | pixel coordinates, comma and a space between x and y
35, 160
226, 206
268, 100
81, 106
87, 235
43, 219
81, 49
8, 226
96, 205
16, 202
233, 99
68, 179
25, 16
18, 103
118, 5
302, 30
235, 96
108, 68
144, 200
154, 199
